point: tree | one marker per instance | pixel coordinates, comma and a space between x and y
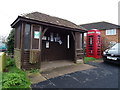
10, 42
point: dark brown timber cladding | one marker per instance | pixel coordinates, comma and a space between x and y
32, 53
35, 42
55, 50
26, 63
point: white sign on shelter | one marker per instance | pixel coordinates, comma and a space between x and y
36, 34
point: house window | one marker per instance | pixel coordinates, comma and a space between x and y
111, 32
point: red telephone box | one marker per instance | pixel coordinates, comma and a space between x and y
93, 44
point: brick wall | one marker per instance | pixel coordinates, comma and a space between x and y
119, 35
106, 39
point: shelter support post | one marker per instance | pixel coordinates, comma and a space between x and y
36, 44
79, 54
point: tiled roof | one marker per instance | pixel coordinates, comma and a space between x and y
52, 20
100, 25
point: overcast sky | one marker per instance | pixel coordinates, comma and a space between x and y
77, 11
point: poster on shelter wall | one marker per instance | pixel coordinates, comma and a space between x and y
36, 34
51, 37
44, 38
47, 44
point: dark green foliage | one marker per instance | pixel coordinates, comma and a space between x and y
10, 62
14, 78
10, 42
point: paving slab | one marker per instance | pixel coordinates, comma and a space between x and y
55, 72
54, 64
55, 69
36, 77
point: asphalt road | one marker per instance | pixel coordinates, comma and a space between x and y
104, 76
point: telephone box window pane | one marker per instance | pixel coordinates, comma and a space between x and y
90, 40
27, 36
98, 39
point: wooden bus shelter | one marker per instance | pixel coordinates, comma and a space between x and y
40, 37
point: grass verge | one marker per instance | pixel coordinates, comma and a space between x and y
87, 59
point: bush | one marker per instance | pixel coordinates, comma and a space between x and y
10, 42
10, 62
15, 80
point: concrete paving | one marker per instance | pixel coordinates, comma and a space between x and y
56, 68
46, 65
55, 72
36, 77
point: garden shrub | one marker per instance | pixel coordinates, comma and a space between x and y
14, 69
10, 62
15, 80
15, 77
